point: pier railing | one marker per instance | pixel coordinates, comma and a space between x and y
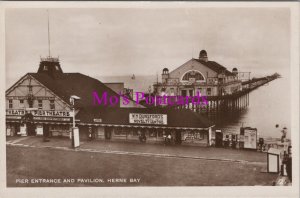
225, 104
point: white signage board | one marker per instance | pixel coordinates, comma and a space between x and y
141, 118
76, 137
8, 131
250, 138
23, 130
39, 130
273, 163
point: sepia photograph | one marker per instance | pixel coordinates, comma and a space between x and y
155, 95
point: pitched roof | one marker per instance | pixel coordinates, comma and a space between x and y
120, 116
67, 84
214, 66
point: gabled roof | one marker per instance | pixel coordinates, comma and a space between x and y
215, 67
67, 84
184, 118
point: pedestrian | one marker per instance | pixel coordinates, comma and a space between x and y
90, 133
169, 138
165, 139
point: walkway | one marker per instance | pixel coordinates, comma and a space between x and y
154, 150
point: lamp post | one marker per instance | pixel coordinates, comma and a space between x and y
73, 98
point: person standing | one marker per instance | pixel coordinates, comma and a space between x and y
169, 138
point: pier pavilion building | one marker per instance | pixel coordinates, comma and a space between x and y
199, 75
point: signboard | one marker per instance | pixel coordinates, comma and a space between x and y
52, 119
97, 120
141, 118
76, 137
8, 130
250, 138
23, 130
39, 130
41, 118
20, 112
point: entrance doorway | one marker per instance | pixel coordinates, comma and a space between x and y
107, 133
30, 129
219, 139
177, 137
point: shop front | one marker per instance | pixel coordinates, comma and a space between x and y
31, 123
181, 127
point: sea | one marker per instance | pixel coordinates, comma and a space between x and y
269, 105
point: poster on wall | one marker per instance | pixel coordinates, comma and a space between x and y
23, 130
250, 138
39, 130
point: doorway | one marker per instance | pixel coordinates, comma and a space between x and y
30, 129
219, 139
178, 137
107, 133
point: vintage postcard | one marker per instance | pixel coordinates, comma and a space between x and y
148, 99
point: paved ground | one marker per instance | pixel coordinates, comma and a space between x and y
212, 153
152, 165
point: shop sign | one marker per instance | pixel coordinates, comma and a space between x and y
14, 117
52, 119
141, 118
42, 118
20, 112
97, 120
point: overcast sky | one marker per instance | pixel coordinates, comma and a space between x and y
109, 41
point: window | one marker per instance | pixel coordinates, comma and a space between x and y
40, 104
56, 67
152, 133
52, 105
30, 88
172, 91
21, 103
30, 103
10, 104
120, 131
199, 91
160, 133
135, 132
208, 91
193, 76
45, 68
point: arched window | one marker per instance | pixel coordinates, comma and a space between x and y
193, 76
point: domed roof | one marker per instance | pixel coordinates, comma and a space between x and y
203, 54
165, 69
235, 69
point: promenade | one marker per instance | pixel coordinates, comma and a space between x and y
149, 164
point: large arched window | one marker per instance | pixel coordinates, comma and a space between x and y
193, 75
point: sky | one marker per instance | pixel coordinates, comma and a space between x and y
143, 41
